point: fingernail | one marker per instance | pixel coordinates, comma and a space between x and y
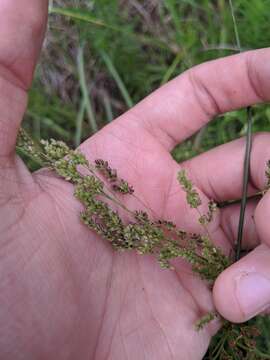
252, 293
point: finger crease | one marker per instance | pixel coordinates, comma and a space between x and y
252, 78
200, 89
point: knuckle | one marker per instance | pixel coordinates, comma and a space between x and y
203, 93
256, 77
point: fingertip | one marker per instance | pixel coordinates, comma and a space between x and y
243, 290
224, 298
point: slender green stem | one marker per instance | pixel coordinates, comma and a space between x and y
145, 205
247, 154
256, 196
255, 351
111, 196
121, 86
79, 121
171, 68
107, 107
85, 92
219, 347
117, 202
237, 37
171, 6
261, 354
245, 184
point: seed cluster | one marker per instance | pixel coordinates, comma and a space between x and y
118, 185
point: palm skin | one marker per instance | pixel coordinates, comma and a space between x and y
65, 293
68, 294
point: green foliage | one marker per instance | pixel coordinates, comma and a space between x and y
151, 44
237, 341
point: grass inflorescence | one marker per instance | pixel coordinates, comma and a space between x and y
97, 186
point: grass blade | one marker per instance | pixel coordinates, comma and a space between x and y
107, 107
79, 121
117, 78
171, 69
85, 92
237, 37
84, 16
171, 6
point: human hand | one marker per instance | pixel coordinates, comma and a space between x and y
64, 293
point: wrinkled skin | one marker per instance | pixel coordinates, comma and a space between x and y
64, 293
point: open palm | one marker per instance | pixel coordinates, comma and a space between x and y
65, 294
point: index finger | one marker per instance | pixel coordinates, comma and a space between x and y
181, 107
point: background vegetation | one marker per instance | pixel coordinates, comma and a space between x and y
102, 56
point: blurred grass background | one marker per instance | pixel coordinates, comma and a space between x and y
102, 56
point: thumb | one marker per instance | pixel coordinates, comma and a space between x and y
22, 26
243, 290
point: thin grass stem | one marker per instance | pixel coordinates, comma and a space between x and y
84, 90
247, 154
171, 6
256, 196
121, 86
245, 184
236, 32
107, 107
171, 68
79, 121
